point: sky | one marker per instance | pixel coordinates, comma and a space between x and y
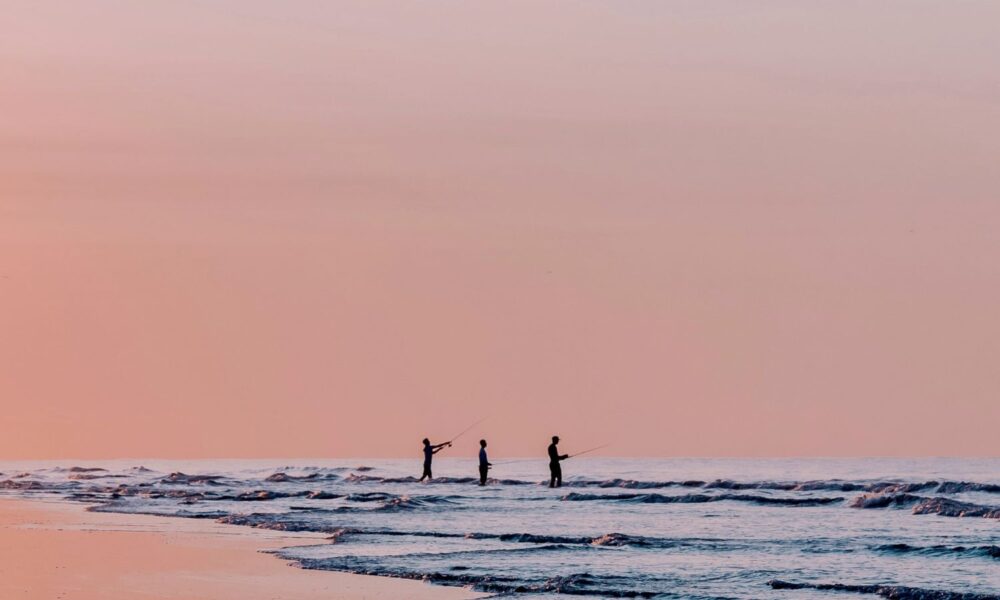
329, 229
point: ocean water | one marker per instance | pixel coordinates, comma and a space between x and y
657, 528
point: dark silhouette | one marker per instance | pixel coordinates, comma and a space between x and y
484, 463
554, 467
429, 452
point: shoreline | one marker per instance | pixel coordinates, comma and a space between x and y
57, 550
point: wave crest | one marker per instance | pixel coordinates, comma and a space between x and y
701, 498
893, 592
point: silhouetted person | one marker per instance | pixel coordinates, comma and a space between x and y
554, 467
429, 452
484, 463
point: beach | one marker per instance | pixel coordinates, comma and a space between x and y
54, 550
531, 300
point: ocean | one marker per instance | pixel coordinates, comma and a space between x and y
619, 528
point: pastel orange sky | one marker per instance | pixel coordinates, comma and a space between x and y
309, 229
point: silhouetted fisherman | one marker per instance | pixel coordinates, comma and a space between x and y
554, 467
484, 463
429, 452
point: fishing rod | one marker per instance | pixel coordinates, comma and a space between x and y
508, 462
466, 430
590, 450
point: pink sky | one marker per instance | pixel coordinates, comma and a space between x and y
689, 228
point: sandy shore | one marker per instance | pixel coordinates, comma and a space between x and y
56, 551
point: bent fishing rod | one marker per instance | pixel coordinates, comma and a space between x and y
588, 451
466, 430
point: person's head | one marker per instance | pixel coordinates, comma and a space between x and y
427, 442
482, 443
555, 439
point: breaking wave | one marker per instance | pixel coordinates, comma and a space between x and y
893, 592
701, 498
879, 500
941, 550
184, 479
945, 507
575, 584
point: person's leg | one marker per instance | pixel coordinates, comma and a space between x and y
483, 472
558, 476
552, 474
427, 473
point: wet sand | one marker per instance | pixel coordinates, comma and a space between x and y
52, 551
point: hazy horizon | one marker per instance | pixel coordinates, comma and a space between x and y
332, 229
464, 455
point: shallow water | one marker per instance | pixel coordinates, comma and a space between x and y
684, 528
